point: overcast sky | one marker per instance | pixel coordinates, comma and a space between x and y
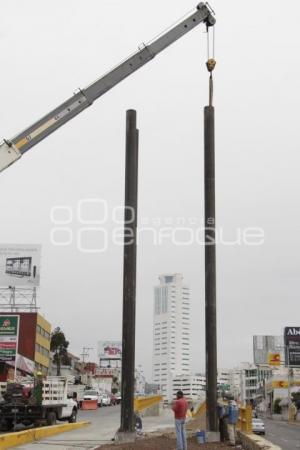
47, 51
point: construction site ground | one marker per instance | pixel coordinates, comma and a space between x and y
166, 443
166, 440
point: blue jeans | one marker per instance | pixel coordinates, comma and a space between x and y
180, 434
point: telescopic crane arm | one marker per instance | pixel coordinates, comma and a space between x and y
11, 150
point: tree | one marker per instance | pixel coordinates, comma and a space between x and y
276, 406
59, 346
115, 386
296, 398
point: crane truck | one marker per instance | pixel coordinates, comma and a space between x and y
12, 149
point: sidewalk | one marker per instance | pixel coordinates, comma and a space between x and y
101, 431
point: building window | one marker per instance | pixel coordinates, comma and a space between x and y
43, 332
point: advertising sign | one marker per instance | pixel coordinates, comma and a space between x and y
292, 346
24, 364
9, 329
19, 265
280, 384
264, 345
274, 359
105, 372
110, 349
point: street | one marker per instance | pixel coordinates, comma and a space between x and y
104, 424
287, 436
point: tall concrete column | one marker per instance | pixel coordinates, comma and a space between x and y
210, 269
129, 274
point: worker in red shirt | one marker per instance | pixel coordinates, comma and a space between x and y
180, 408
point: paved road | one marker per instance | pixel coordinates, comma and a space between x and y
287, 436
104, 423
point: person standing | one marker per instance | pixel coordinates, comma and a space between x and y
180, 408
222, 422
233, 417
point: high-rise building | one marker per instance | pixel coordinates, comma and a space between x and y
171, 332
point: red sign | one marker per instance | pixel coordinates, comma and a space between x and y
105, 372
8, 345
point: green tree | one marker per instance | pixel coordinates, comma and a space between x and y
59, 346
115, 385
276, 406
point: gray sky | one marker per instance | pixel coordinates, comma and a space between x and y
49, 50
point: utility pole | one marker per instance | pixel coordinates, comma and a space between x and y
85, 352
129, 275
210, 259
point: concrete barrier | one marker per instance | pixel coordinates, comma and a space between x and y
149, 406
251, 441
89, 404
11, 440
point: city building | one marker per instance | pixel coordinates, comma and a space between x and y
281, 384
140, 380
151, 389
223, 380
70, 366
193, 386
171, 332
252, 378
109, 372
235, 382
33, 346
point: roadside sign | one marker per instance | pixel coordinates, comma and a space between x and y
9, 330
274, 359
292, 346
279, 384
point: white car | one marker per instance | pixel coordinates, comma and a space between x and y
92, 394
258, 427
106, 400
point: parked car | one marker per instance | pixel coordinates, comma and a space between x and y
118, 398
106, 400
258, 427
92, 394
113, 399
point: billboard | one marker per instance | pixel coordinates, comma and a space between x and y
9, 331
20, 265
292, 346
274, 359
264, 345
106, 372
110, 350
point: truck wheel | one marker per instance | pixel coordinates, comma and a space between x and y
73, 417
51, 418
7, 425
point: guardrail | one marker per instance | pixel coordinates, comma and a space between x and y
142, 403
200, 411
245, 419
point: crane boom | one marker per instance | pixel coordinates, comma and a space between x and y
11, 150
